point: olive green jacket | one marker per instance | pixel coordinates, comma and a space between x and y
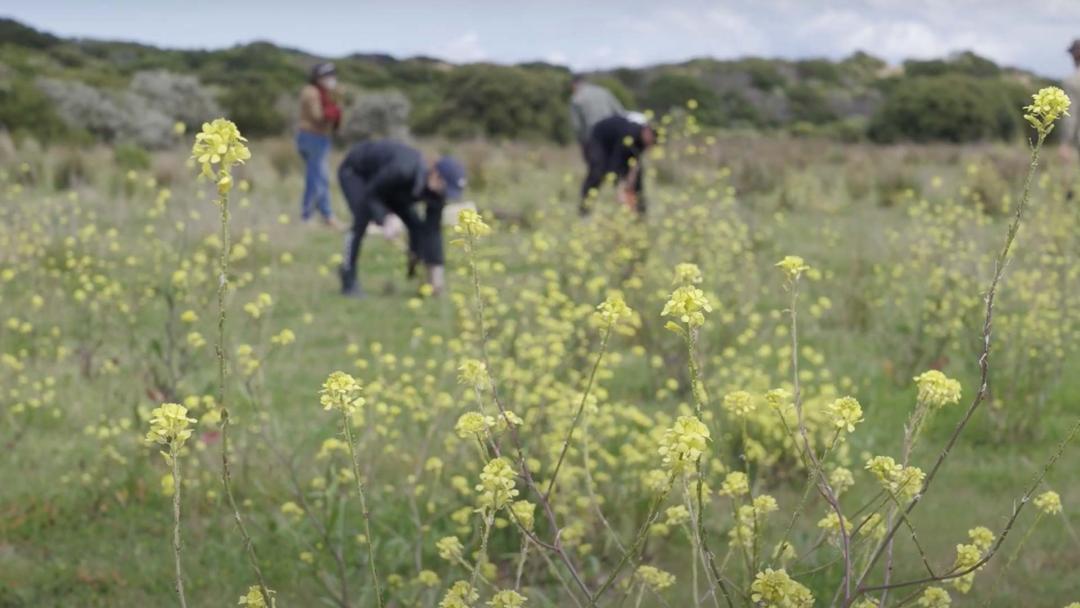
1071, 124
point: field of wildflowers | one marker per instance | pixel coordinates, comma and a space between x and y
817, 375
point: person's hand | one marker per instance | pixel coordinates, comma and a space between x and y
391, 228
626, 196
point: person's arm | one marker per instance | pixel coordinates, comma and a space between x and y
577, 123
311, 105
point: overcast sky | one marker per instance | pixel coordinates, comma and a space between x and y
588, 33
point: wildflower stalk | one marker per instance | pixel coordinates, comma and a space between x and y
634, 546
699, 527
174, 456
475, 228
580, 410
1018, 507
1016, 553
489, 521
370, 541
824, 488
226, 471
1042, 119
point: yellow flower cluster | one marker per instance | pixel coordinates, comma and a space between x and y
254, 598
169, 425
613, 310
845, 413
218, 148
654, 578
496, 488
460, 595
902, 482
792, 266
1048, 105
473, 372
936, 389
471, 224
935, 597
1048, 502
735, 484
341, 392
775, 589
683, 444
507, 598
687, 274
739, 403
450, 548
688, 304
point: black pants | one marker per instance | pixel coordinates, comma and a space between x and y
597, 160
425, 233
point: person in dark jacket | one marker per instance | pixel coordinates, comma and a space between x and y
380, 177
616, 145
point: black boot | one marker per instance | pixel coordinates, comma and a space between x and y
350, 287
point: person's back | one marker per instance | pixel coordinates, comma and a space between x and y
590, 104
311, 118
610, 135
393, 170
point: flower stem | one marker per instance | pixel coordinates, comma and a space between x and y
363, 508
174, 456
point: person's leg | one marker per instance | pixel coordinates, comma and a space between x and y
639, 189
352, 188
594, 176
425, 239
321, 194
304, 147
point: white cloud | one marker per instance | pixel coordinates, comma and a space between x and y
464, 49
842, 32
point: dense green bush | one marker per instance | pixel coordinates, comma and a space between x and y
953, 108
503, 103
25, 110
251, 105
672, 91
967, 63
808, 104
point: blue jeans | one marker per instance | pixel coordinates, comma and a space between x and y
315, 149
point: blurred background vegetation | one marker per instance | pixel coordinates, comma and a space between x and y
55, 89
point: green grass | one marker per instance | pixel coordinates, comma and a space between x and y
79, 527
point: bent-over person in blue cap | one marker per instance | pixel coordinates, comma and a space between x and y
380, 177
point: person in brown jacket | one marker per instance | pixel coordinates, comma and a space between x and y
319, 118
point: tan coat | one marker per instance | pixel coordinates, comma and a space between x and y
311, 113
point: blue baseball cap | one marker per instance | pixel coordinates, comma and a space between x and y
452, 173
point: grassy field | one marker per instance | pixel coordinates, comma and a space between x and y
100, 262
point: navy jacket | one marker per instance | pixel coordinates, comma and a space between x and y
392, 173
613, 142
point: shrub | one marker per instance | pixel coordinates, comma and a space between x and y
24, 109
252, 106
672, 91
379, 114
501, 102
129, 156
124, 117
180, 97
951, 108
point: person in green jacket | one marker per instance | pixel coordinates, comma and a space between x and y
589, 104
1070, 135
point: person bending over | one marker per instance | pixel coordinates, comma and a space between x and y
616, 145
380, 177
